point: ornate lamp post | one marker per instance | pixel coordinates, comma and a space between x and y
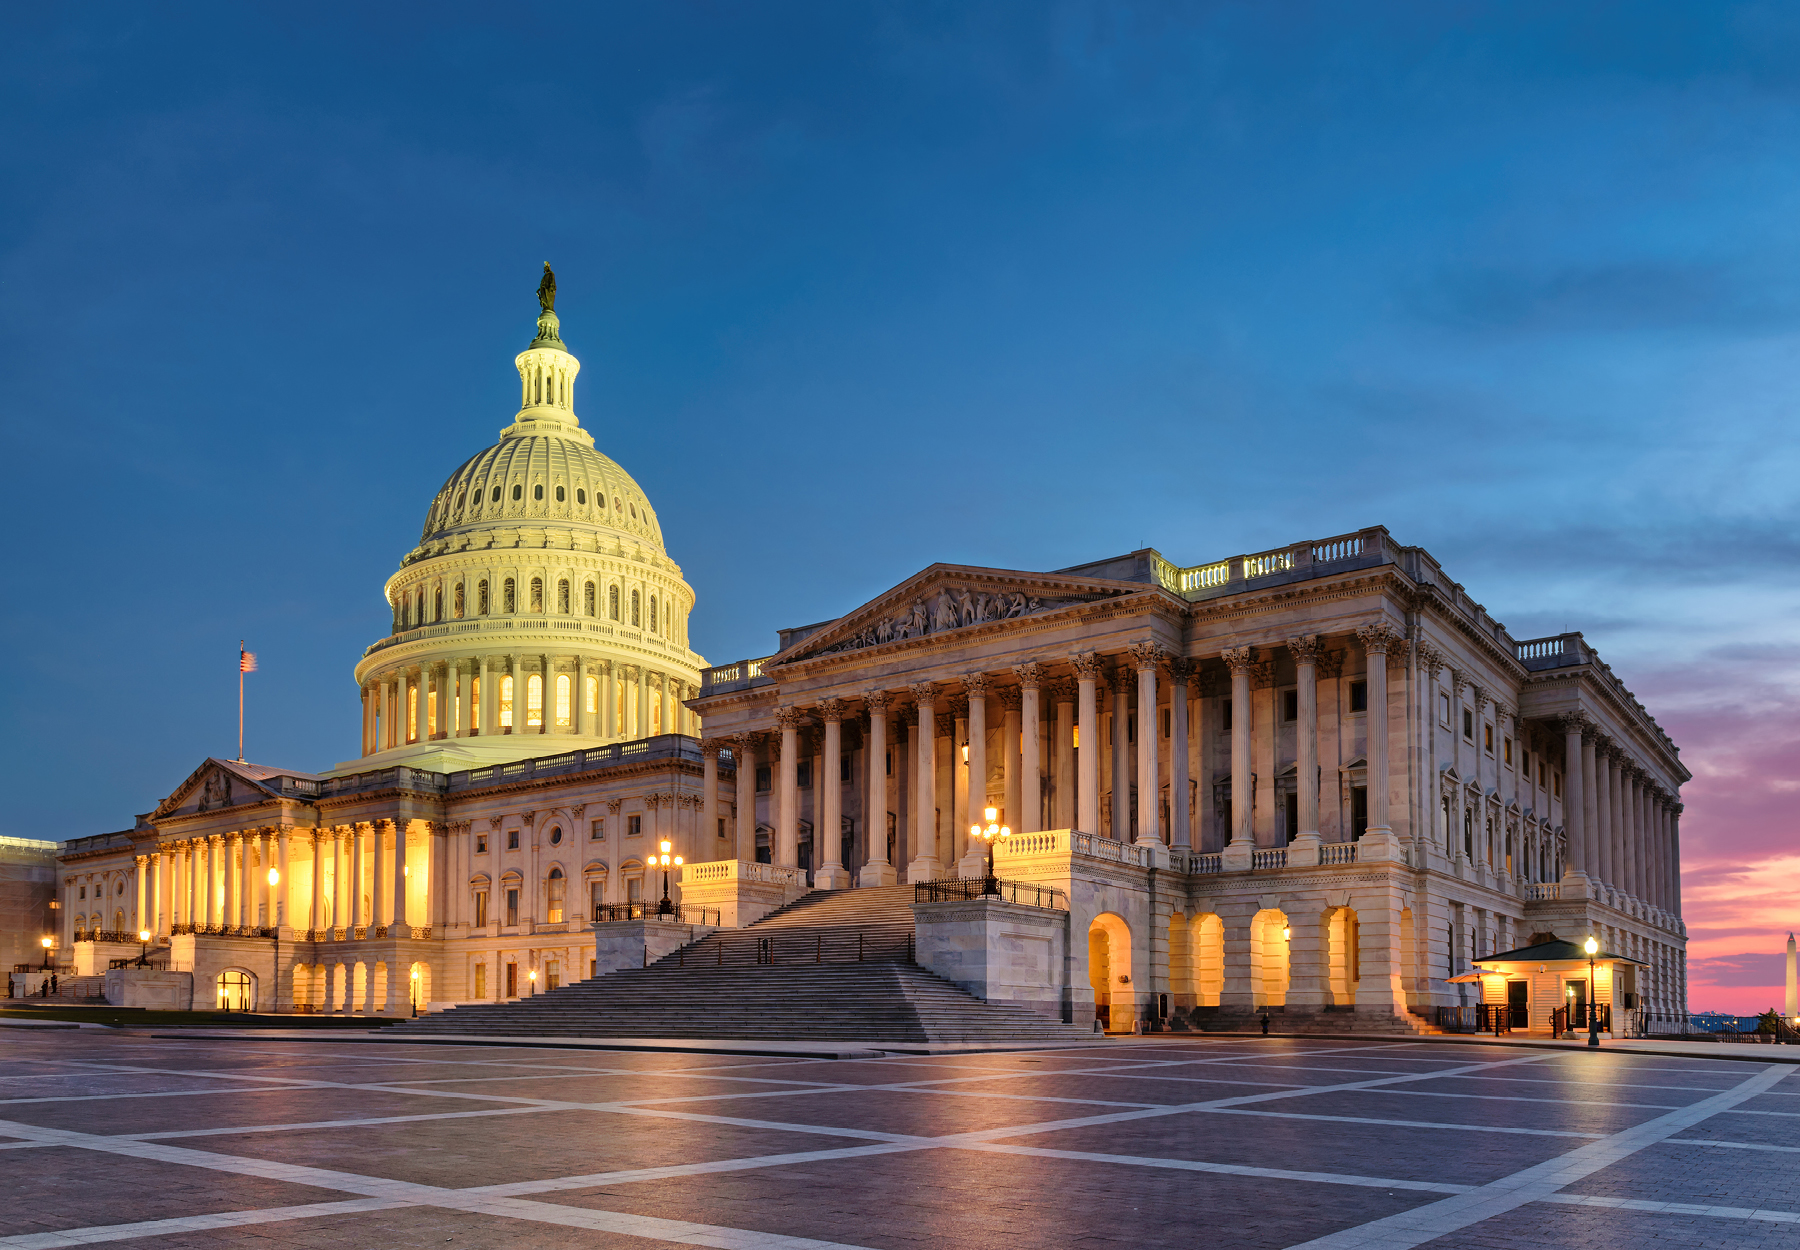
990, 884
1592, 947
143, 947
532, 978
666, 908
46, 944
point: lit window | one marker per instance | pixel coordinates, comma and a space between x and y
534, 700
506, 700
562, 596
537, 594
587, 598
592, 695
481, 597
562, 698
556, 896
509, 597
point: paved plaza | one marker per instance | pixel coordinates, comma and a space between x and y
1223, 1141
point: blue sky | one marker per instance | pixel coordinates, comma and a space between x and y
860, 287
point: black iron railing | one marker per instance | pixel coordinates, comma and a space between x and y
963, 889
605, 913
741, 948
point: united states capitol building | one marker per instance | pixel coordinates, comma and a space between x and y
1317, 781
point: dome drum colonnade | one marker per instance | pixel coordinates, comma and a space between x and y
539, 601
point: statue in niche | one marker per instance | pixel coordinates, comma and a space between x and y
547, 289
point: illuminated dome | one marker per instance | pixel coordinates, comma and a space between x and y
539, 612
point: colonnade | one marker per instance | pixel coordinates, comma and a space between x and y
1624, 829
485, 695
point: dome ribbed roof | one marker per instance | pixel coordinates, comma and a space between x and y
527, 473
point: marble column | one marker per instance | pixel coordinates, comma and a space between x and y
547, 713
1590, 821
925, 865
399, 918
1087, 752
828, 842
743, 757
228, 848
974, 858
1011, 728
876, 870
1242, 662
1122, 683
1145, 657
785, 845
1031, 751
579, 716
1377, 639
1062, 754
380, 863
708, 843
520, 686
1181, 672
316, 920
141, 919
278, 901
421, 730
1573, 799
1306, 649
1605, 799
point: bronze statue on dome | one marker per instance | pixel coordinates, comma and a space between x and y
547, 290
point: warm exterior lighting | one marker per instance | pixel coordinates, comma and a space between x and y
143, 935
274, 876
992, 832
1287, 932
1593, 1009
46, 942
965, 751
666, 907
1591, 946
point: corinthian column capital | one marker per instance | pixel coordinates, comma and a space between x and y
1239, 659
1306, 648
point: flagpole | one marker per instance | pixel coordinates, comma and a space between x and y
240, 701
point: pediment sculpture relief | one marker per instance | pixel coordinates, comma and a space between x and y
951, 608
216, 792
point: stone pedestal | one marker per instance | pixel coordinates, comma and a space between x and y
831, 877
742, 891
998, 951
875, 874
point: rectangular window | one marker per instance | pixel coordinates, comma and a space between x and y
1290, 705
1225, 715
480, 980
596, 831
596, 898
1557, 777
512, 907
764, 777
1468, 725
1444, 709
803, 773
480, 912
552, 974
634, 826
634, 890
481, 844
512, 839
721, 826
1165, 722
1359, 812
844, 768
1359, 696
512, 980
890, 765
1290, 815
593, 968
1487, 738
1506, 747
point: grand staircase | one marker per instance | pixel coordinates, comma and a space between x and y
832, 965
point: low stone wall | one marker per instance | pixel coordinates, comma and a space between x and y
637, 943
152, 988
1000, 952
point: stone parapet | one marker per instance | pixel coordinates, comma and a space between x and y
623, 944
998, 951
742, 891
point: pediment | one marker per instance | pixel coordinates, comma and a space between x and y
219, 784
946, 598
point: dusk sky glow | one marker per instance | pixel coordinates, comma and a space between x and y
860, 287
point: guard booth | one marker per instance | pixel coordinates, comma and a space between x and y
1553, 987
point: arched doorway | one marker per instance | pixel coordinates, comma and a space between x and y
1269, 938
1208, 933
419, 983
1181, 962
1343, 963
1109, 973
236, 990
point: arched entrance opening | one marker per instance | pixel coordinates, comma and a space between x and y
1343, 964
1208, 933
1181, 963
419, 982
1269, 938
1109, 973
236, 990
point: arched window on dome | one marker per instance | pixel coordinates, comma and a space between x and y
612, 602
509, 598
496, 494
636, 616
559, 494
580, 496
518, 492
537, 594
653, 614
563, 711
459, 601
562, 596
437, 604
481, 597
592, 698
506, 700
397, 611
534, 700
587, 598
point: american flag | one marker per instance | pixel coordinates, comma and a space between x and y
246, 660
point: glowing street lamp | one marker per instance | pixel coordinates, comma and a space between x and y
665, 908
1592, 947
46, 944
990, 833
143, 947
529, 976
